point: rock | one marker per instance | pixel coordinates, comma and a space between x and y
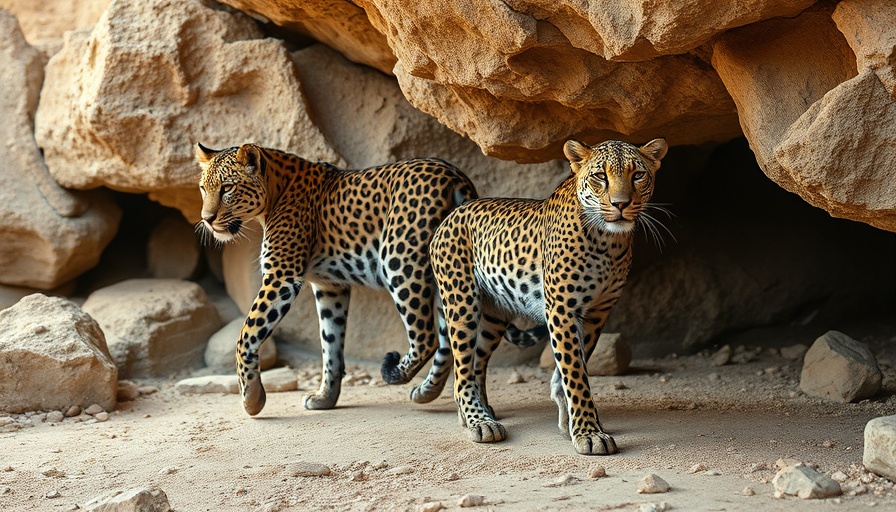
805, 482
154, 327
219, 353
840, 476
794, 352
400, 470
140, 499
654, 507
279, 380
612, 355
127, 391
747, 491
48, 235
72, 411
653, 484
430, 506
55, 416
880, 447
471, 500
197, 66
787, 462
839, 368
515, 378
696, 468
101, 416
94, 409
228, 384
825, 139
722, 356
53, 355
173, 249
45, 24
597, 472
296, 469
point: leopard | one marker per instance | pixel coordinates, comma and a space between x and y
559, 262
334, 228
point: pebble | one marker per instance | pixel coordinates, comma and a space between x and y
722, 356
8, 469
619, 385
696, 468
148, 390
747, 491
358, 476
73, 411
794, 352
805, 482
400, 470
654, 507
758, 466
53, 473
653, 484
53, 494
471, 500
452, 477
307, 469
55, 416
93, 409
783, 463
101, 416
563, 481
432, 506
515, 378
5, 489
127, 391
839, 476
6, 420
597, 472
168, 471
714, 377
227, 384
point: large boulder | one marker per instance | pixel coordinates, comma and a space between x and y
839, 368
53, 356
879, 455
204, 74
48, 235
154, 327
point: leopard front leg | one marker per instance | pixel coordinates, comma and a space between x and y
332, 312
571, 378
272, 303
592, 329
435, 380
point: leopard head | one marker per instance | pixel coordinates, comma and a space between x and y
232, 188
614, 180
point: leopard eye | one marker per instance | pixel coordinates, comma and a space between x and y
226, 188
638, 176
602, 176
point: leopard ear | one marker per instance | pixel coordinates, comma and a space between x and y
655, 150
204, 155
250, 156
576, 153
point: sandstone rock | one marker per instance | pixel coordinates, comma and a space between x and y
302, 468
154, 327
227, 384
279, 380
805, 482
653, 484
825, 140
794, 352
880, 447
48, 235
872, 38
722, 356
173, 249
44, 23
204, 74
611, 356
839, 368
141, 499
219, 353
53, 355
9, 295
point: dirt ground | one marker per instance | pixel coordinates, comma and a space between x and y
385, 453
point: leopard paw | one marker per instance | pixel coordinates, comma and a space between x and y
253, 396
487, 431
423, 394
595, 443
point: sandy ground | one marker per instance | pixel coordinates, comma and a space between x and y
385, 453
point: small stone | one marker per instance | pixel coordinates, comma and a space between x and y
839, 476
653, 484
880, 446
714, 377
101, 416
140, 498
168, 471
5, 489
471, 500
785, 462
93, 409
722, 356
227, 384
696, 468
8, 469
431, 506
744, 356
55, 416
148, 390
52, 494
400, 470
358, 476
597, 472
53, 473
73, 411
794, 352
619, 385
452, 477
515, 378
654, 507
564, 481
127, 391
279, 380
806, 483
747, 491
296, 469
758, 466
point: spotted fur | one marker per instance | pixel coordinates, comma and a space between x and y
335, 228
560, 262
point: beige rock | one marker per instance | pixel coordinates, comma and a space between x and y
806, 483
279, 380
219, 353
154, 327
227, 384
48, 235
840, 368
44, 23
204, 74
611, 356
868, 28
173, 249
879, 455
53, 355
148, 499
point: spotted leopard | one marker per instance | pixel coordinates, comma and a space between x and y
334, 228
560, 262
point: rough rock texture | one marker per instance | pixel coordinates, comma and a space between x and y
219, 353
47, 235
44, 23
880, 447
227, 384
173, 249
829, 137
840, 368
205, 75
141, 499
805, 482
611, 356
154, 327
53, 356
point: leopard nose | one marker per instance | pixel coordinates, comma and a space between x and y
209, 217
621, 205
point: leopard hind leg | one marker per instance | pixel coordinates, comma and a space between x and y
332, 312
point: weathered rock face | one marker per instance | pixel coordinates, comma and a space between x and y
839, 368
47, 235
53, 356
204, 75
44, 23
219, 353
173, 250
879, 455
154, 327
